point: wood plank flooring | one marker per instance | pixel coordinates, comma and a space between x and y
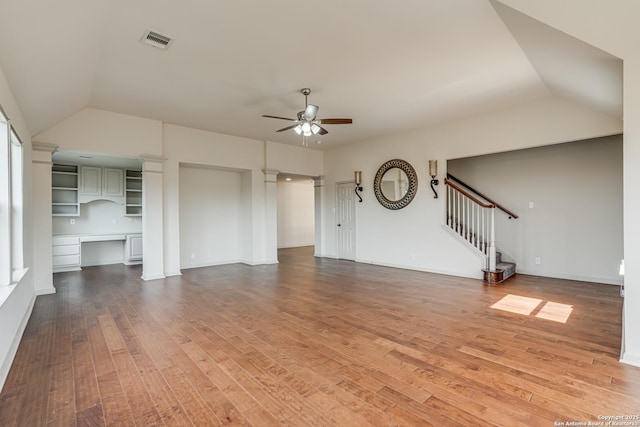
315, 342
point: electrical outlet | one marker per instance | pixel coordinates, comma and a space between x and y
530, 205
72, 221
114, 220
537, 260
193, 255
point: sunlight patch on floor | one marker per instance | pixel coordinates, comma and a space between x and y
555, 311
517, 304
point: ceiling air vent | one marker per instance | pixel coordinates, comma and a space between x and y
155, 39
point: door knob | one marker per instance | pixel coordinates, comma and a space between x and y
339, 225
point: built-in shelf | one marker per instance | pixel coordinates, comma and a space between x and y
64, 190
133, 192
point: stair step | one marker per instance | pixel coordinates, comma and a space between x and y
508, 267
503, 271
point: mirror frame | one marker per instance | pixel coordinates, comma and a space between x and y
411, 191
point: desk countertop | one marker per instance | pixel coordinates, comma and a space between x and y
100, 237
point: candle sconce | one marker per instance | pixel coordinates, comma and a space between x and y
358, 181
433, 171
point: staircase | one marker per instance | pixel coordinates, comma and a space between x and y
471, 216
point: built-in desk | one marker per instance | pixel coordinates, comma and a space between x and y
67, 249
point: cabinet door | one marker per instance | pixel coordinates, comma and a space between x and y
90, 180
113, 182
136, 247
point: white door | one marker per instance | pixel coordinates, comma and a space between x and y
345, 222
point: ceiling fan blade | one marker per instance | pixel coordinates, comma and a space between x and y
310, 112
287, 128
322, 131
277, 117
335, 121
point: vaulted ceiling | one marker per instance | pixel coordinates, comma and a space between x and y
391, 67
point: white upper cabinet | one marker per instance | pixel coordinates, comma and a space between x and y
98, 183
113, 182
90, 181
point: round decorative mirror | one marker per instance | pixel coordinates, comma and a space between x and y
395, 184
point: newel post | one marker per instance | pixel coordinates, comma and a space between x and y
492, 242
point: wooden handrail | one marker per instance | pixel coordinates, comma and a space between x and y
469, 195
497, 205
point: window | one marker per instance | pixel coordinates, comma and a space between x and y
11, 210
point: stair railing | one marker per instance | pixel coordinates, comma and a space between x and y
473, 220
474, 191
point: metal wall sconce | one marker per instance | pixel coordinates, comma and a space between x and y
621, 272
358, 181
433, 171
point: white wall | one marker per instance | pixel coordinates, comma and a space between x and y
575, 225
413, 237
186, 146
98, 131
16, 308
296, 221
98, 217
631, 150
295, 160
211, 206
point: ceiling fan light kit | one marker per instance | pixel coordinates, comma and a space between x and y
307, 123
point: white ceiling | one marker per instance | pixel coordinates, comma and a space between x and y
389, 67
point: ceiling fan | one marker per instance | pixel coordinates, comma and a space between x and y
306, 123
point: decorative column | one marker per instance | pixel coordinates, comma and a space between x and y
171, 212
271, 215
318, 188
42, 225
152, 218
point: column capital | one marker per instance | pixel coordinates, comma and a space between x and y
152, 163
42, 152
270, 175
44, 146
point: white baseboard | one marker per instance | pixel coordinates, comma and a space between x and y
321, 255
213, 264
425, 270
152, 277
572, 277
13, 349
174, 273
630, 359
45, 291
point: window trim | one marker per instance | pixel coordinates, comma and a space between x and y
11, 204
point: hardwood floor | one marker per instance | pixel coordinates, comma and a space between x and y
318, 342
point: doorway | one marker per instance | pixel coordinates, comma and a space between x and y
296, 211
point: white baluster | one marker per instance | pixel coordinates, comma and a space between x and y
492, 244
